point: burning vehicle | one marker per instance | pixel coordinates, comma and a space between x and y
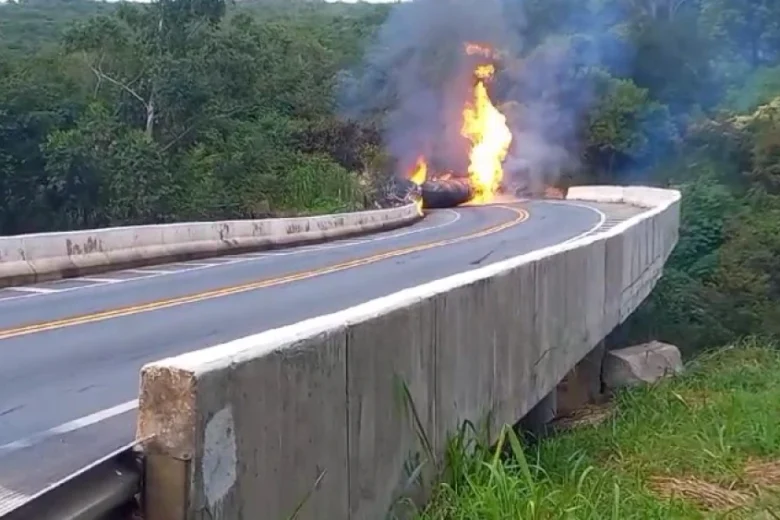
489, 138
467, 114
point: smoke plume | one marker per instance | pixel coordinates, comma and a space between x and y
416, 76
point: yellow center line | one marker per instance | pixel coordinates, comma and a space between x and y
521, 216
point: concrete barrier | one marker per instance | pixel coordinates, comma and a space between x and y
314, 418
47, 256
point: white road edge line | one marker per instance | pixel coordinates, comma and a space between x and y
242, 259
153, 271
70, 426
10, 500
596, 227
98, 280
36, 290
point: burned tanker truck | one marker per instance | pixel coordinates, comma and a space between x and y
447, 193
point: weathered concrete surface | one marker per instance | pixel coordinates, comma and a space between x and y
240, 428
583, 384
47, 256
336, 412
641, 364
536, 421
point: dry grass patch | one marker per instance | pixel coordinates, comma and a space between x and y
765, 474
706, 495
716, 497
588, 415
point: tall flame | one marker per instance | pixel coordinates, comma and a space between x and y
419, 175
490, 137
487, 131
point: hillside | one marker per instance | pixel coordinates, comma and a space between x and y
29, 26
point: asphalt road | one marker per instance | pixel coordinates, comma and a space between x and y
71, 350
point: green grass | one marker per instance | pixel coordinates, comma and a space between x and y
680, 449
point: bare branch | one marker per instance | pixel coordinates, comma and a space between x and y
137, 77
178, 138
102, 75
195, 27
99, 79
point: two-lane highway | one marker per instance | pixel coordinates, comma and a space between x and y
71, 350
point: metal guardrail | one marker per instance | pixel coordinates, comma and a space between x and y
106, 489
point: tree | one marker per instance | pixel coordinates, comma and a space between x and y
625, 128
149, 54
101, 173
745, 30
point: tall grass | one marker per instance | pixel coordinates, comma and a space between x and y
317, 185
704, 445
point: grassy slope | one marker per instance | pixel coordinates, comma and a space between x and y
705, 445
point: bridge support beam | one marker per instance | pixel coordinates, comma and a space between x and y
583, 384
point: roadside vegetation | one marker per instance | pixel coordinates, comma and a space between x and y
704, 445
110, 117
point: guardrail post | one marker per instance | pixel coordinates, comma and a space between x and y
166, 420
165, 487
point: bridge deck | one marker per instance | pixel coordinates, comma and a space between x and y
72, 349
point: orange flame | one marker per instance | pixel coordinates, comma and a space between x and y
485, 127
418, 176
490, 138
484, 72
420, 172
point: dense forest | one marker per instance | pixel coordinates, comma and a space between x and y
199, 109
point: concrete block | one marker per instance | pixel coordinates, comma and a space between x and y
15, 273
585, 295
45, 256
612, 194
467, 323
596, 281
262, 428
11, 250
556, 350
637, 256
515, 349
628, 258
649, 197
388, 355
578, 283
641, 364
614, 276
546, 324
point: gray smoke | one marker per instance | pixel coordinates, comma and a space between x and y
416, 76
